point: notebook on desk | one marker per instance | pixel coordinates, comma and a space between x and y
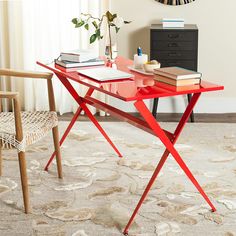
105, 74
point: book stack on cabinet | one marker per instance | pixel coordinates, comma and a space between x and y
173, 23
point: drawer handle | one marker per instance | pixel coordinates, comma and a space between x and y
173, 36
174, 54
172, 45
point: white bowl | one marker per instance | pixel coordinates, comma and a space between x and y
151, 67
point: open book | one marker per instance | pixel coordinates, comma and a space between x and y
105, 74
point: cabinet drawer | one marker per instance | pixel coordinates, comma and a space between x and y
172, 46
187, 64
169, 55
171, 35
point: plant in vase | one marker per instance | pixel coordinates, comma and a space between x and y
110, 20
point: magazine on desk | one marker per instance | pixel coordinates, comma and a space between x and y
106, 74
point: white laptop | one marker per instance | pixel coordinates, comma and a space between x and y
105, 74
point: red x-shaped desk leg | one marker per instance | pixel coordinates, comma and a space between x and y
169, 144
82, 106
69, 127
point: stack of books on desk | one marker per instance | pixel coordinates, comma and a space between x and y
177, 76
172, 23
71, 61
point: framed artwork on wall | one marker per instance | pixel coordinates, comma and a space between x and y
175, 2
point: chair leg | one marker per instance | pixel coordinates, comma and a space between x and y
57, 150
0, 161
24, 180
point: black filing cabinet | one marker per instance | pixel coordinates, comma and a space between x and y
174, 47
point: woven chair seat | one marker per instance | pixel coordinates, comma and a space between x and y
35, 126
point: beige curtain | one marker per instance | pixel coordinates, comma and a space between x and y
40, 30
11, 45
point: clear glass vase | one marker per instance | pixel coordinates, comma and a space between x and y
111, 51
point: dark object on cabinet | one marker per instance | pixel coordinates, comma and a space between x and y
174, 47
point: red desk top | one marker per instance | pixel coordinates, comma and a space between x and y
142, 87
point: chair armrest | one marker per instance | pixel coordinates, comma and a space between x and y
30, 74
25, 74
9, 95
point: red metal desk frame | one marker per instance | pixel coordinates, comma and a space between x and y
136, 92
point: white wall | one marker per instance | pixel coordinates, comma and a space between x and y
217, 44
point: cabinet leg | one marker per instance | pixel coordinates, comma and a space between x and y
192, 114
155, 106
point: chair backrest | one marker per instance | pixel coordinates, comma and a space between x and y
32, 75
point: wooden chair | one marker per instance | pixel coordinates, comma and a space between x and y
20, 129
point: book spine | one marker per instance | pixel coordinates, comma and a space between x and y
70, 57
166, 82
196, 75
64, 69
173, 24
79, 64
177, 88
165, 74
172, 20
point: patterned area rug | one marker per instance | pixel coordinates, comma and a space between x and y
100, 191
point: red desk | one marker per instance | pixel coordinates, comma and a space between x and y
135, 92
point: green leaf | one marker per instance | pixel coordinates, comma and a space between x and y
114, 16
75, 21
98, 33
93, 38
95, 24
109, 16
117, 29
79, 24
86, 26
127, 22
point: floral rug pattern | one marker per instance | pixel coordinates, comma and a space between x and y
99, 190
